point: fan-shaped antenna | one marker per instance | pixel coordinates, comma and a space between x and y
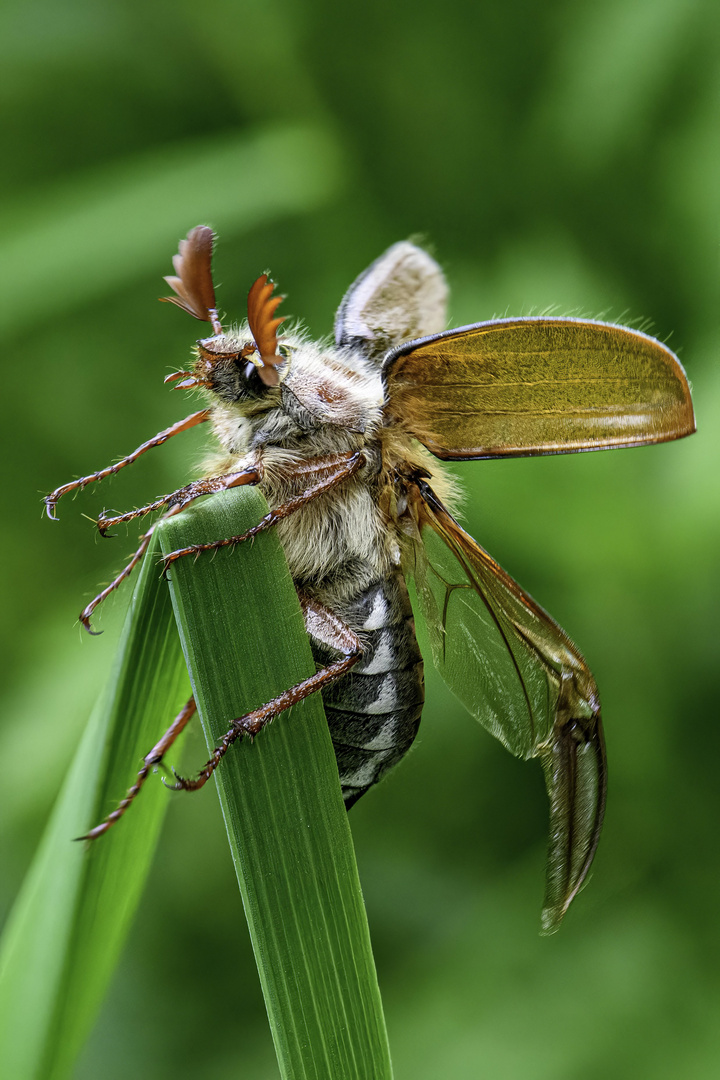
263, 327
194, 283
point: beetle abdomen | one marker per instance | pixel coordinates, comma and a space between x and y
373, 712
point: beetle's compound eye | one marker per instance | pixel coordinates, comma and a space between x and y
250, 384
254, 370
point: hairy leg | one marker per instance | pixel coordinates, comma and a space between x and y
181, 498
321, 623
182, 425
184, 497
331, 471
150, 762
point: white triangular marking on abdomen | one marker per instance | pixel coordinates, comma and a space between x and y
377, 618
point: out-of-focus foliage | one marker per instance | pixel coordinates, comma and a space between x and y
62, 941
552, 154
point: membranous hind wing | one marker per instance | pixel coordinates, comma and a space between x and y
521, 387
520, 675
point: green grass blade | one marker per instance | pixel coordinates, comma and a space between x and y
244, 640
65, 933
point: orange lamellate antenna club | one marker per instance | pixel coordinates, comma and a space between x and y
194, 283
262, 306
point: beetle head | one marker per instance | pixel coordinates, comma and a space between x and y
233, 368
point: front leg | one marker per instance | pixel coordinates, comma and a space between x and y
177, 501
191, 421
325, 626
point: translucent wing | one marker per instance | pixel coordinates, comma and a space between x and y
519, 387
521, 676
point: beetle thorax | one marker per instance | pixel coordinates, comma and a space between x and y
329, 401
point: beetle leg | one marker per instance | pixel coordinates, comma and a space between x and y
322, 624
182, 425
86, 613
343, 467
184, 497
150, 762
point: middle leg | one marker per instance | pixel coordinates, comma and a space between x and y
326, 473
325, 626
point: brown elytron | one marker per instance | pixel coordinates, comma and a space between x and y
343, 441
544, 386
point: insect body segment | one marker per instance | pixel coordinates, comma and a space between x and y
374, 712
343, 440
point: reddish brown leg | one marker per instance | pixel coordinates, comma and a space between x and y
182, 425
104, 523
322, 624
86, 613
151, 761
184, 496
339, 467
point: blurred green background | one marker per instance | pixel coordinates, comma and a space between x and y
551, 154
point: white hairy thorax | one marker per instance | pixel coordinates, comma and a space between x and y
330, 401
